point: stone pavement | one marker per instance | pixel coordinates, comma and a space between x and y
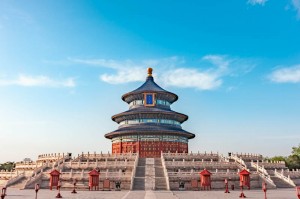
47, 194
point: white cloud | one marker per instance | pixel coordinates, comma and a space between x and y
286, 75
260, 2
217, 60
296, 4
170, 71
208, 79
40, 81
135, 74
184, 77
127, 70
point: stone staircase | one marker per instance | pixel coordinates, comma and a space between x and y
149, 172
139, 179
251, 168
160, 180
20, 183
280, 183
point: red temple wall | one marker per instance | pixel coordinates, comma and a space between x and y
149, 148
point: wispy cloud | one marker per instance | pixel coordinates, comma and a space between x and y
126, 71
37, 81
171, 71
255, 2
193, 78
286, 75
296, 5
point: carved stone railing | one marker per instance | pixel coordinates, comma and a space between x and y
272, 165
102, 164
109, 156
33, 180
267, 179
263, 174
259, 168
199, 164
8, 174
192, 174
240, 161
283, 177
293, 174
190, 156
39, 169
85, 175
249, 156
26, 165
134, 171
165, 171
223, 158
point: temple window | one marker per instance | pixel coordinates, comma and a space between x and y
151, 101
149, 120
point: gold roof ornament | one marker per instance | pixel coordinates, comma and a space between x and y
149, 71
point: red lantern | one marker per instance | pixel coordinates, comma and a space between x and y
54, 178
94, 179
205, 179
245, 178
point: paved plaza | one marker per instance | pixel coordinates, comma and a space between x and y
45, 194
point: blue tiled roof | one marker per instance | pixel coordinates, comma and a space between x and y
163, 129
150, 86
151, 110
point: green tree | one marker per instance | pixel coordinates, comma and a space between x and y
277, 158
296, 150
293, 162
8, 166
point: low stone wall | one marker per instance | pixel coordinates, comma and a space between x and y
217, 181
83, 184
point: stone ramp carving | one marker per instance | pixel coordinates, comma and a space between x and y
149, 175
139, 179
280, 183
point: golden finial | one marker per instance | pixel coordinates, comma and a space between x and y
149, 71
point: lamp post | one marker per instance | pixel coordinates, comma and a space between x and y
74, 183
242, 193
232, 185
3, 193
36, 188
226, 186
264, 188
58, 187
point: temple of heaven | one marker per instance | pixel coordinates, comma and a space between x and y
149, 127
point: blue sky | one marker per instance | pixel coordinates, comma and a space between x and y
65, 64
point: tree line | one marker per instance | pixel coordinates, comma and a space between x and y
292, 161
8, 166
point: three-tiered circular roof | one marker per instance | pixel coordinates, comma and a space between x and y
155, 111
149, 86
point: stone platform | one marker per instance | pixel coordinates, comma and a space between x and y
47, 194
